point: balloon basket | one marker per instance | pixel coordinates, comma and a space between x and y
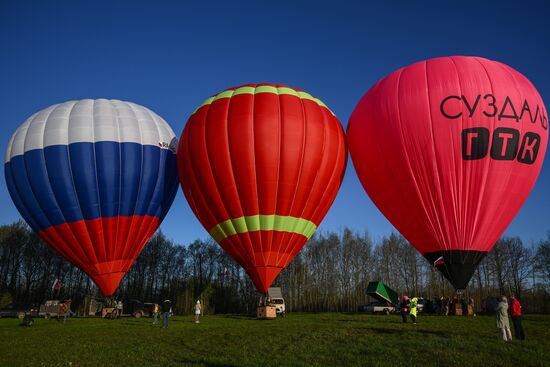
107, 312
266, 312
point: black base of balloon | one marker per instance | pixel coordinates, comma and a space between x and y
457, 266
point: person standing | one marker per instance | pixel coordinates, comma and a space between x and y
404, 306
446, 306
198, 310
155, 313
166, 308
471, 305
502, 319
414, 309
66, 308
118, 309
515, 309
464, 306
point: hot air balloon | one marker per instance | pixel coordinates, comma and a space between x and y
94, 179
449, 149
260, 166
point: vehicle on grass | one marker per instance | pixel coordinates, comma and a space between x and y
54, 308
137, 308
377, 307
276, 296
18, 310
112, 309
421, 304
386, 298
97, 306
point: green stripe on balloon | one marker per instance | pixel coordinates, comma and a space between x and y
261, 222
263, 89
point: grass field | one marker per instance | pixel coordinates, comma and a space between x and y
326, 339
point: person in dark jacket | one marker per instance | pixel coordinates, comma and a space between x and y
464, 307
166, 309
515, 311
404, 306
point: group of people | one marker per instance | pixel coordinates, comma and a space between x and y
166, 309
455, 306
503, 323
409, 306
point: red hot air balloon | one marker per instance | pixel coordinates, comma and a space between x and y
260, 165
449, 149
94, 179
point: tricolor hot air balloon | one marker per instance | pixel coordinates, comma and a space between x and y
260, 166
94, 179
449, 149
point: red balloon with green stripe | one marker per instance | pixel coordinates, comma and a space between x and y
260, 166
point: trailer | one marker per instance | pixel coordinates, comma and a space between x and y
382, 293
54, 308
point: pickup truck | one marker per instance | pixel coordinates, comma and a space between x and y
18, 310
378, 307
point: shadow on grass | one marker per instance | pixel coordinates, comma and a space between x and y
381, 330
379, 319
239, 317
201, 362
130, 323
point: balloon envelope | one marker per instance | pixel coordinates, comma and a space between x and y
260, 165
94, 179
449, 149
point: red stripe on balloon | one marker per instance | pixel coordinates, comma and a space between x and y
267, 260
121, 239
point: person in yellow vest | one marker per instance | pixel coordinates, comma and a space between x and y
155, 313
413, 309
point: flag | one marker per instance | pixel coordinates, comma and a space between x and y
439, 261
56, 285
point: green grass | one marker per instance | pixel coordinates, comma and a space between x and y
326, 339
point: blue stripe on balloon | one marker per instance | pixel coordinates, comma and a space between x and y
108, 177
166, 185
16, 193
58, 167
170, 185
130, 157
83, 172
62, 183
21, 187
148, 179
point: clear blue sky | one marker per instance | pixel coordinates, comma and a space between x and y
171, 55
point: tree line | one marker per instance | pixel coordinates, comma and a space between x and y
331, 273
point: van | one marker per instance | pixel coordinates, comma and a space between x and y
276, 296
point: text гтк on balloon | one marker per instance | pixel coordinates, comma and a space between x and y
504, 143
